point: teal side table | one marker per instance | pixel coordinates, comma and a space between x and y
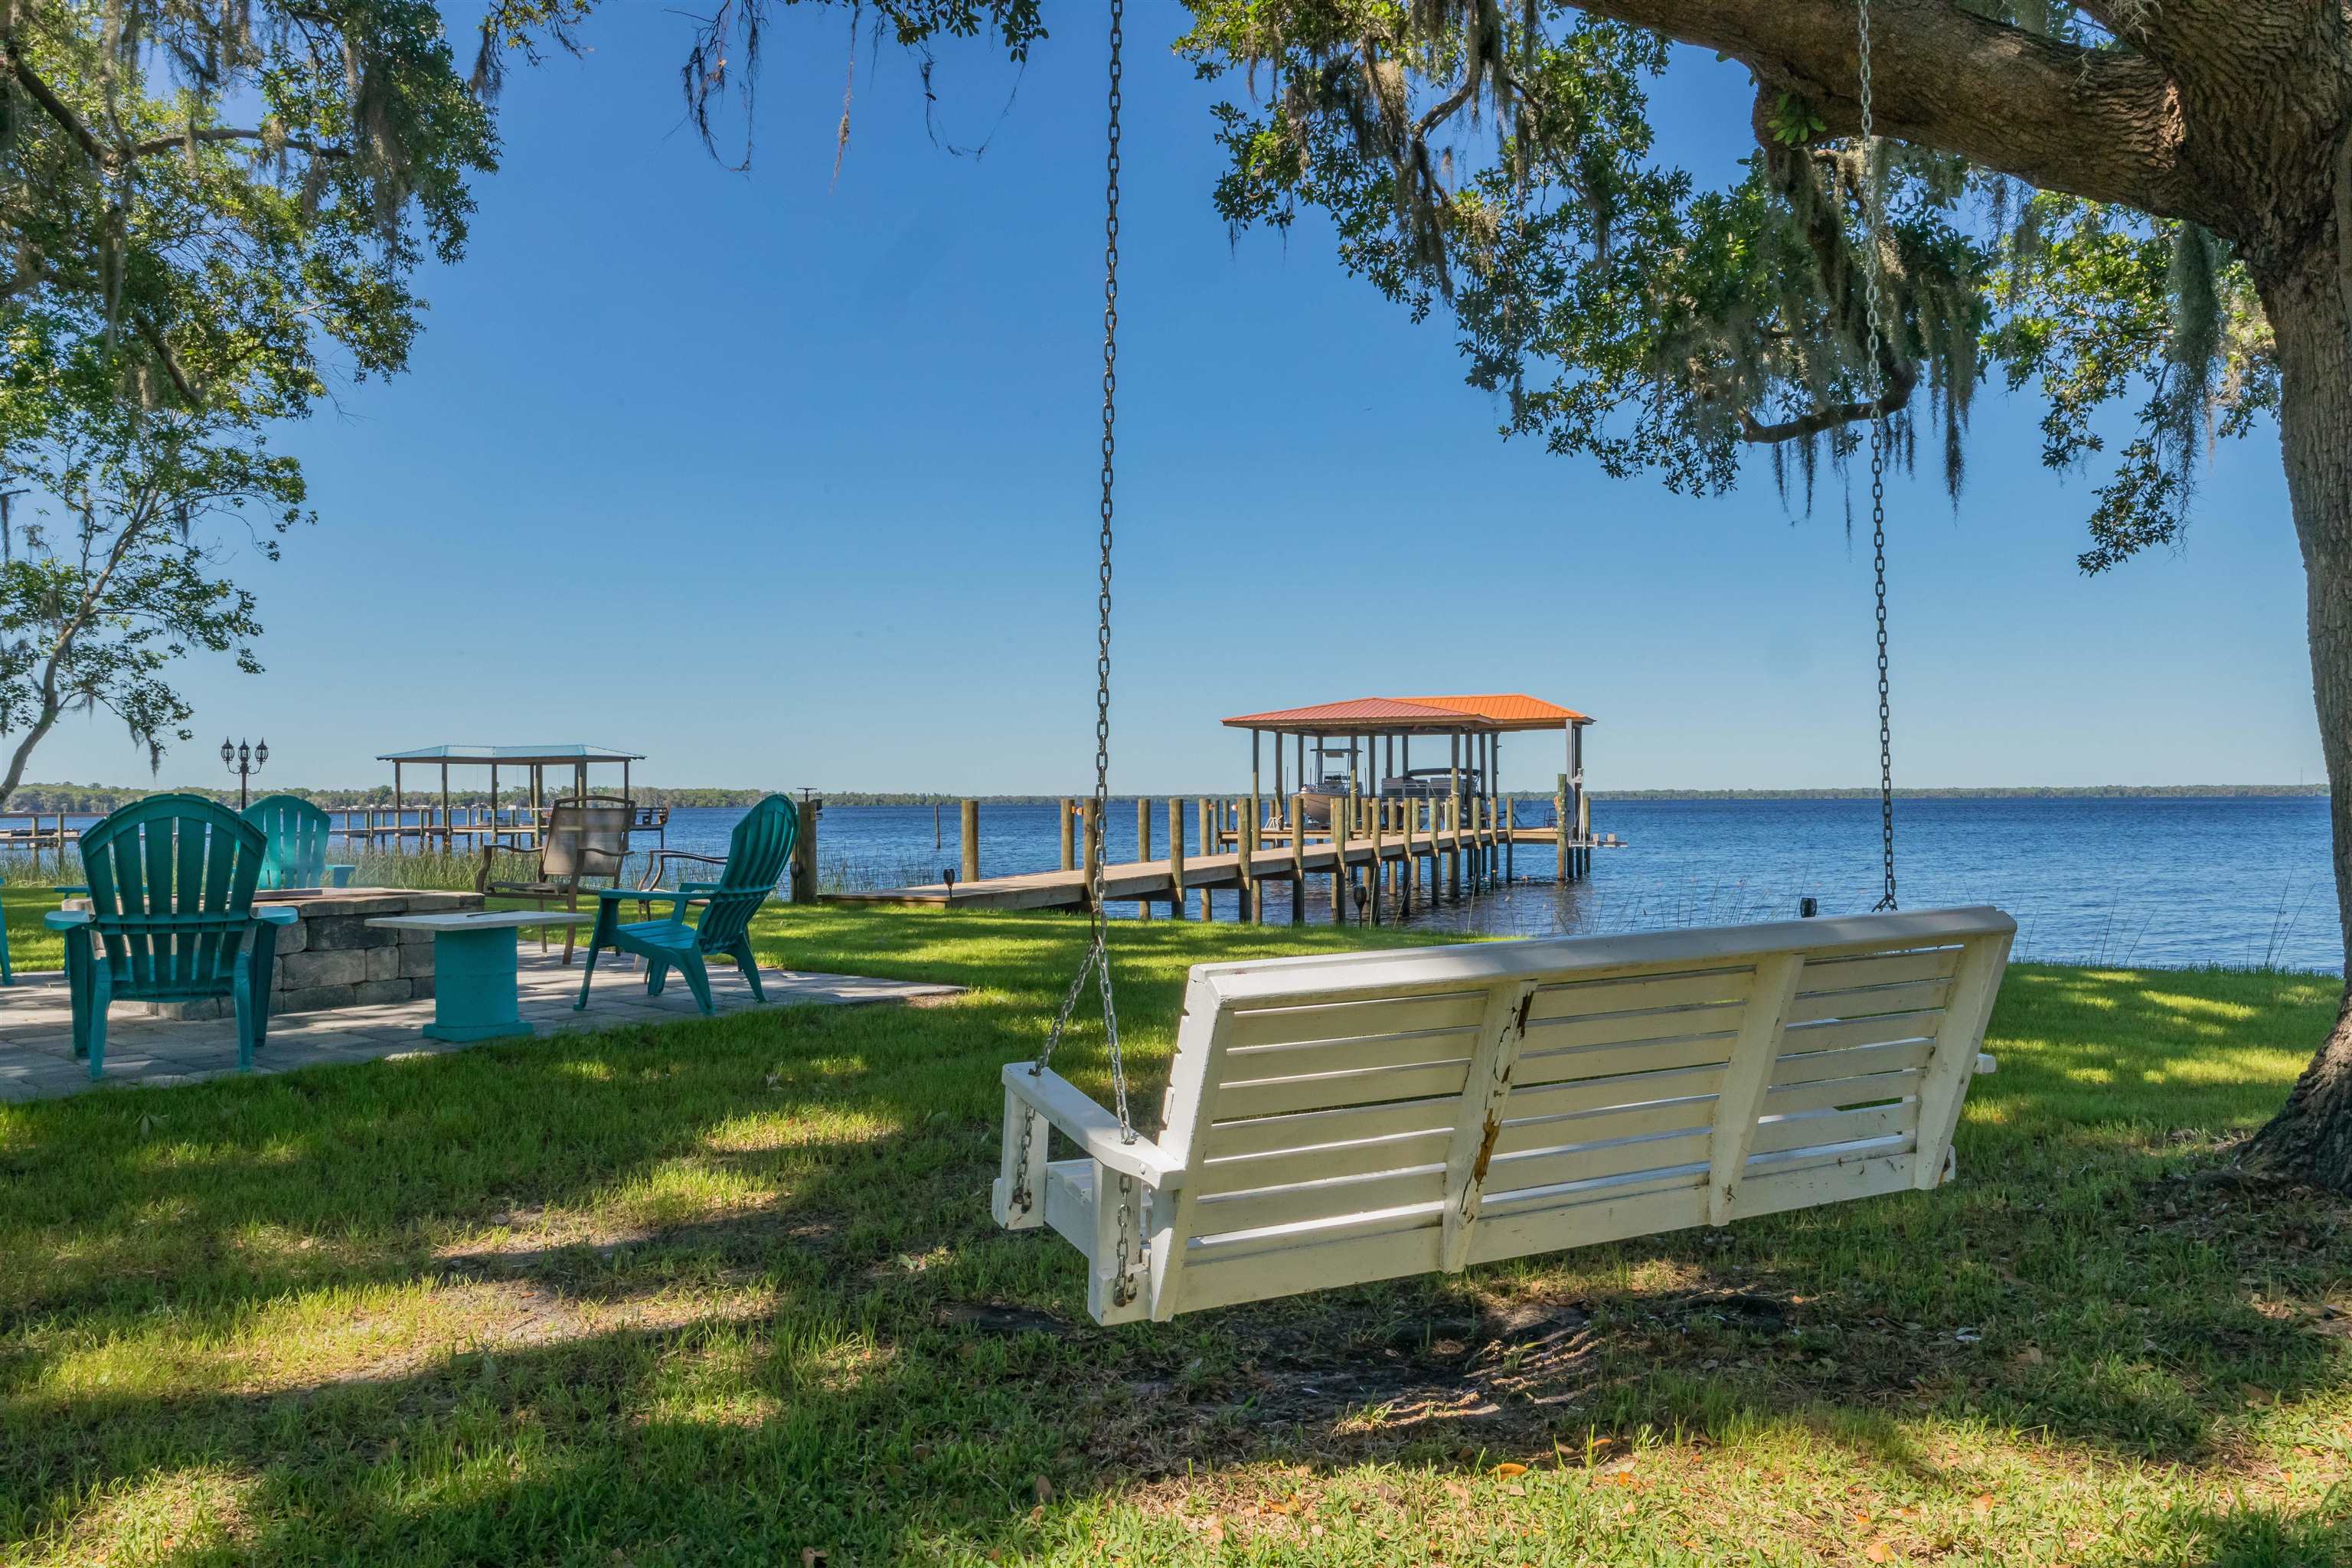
474, 995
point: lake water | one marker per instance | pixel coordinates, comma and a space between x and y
2090, 879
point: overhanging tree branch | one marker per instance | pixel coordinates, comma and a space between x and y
53, 106
153, 338
2102, 124
174, 142
1844, 279
1824, 419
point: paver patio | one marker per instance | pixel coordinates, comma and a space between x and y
36, 1059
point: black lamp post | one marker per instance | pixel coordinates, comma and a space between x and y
244, 761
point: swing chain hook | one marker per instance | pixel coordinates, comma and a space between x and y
1097, 958
1874, 203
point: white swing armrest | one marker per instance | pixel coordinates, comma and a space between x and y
1985, 1063
1070, 1112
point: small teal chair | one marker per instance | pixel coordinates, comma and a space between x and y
298, 835
756, 854
172, 880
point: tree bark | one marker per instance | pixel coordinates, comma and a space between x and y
2103, 124
23, 756
2310, 1139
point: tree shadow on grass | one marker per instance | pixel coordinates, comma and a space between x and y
760, 1302
292, 1181
915, 1433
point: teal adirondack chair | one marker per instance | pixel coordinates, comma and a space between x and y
298, 833
171, 893
755, 859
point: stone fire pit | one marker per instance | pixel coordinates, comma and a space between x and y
328, 958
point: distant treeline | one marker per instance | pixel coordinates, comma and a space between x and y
2066, 792
96, 800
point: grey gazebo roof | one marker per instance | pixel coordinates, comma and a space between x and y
551, 756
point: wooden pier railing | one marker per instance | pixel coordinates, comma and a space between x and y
1383, 857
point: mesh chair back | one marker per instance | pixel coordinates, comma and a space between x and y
588, 837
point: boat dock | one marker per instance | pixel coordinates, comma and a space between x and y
1389, 836
1397, 856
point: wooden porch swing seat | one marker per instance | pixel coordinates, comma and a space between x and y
1331, 1120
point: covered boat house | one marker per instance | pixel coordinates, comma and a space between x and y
1363, 748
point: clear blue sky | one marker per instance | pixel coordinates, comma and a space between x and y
787, 482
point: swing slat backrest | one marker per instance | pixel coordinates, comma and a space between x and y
172, 879
756, 853
1331, 1120
295, 833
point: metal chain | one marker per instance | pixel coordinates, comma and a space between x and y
1122, 1288
1874, 206
1021, 1198
1097, 958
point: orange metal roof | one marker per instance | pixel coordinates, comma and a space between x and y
1358, 713
1410, 714
1509, 709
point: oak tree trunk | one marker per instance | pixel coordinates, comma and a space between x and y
2310, 311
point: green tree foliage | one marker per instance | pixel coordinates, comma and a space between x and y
210, 210
97, 606
1502, 167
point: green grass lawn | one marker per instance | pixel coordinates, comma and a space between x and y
727, 1292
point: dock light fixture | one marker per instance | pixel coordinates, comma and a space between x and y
1808, 907
947, 875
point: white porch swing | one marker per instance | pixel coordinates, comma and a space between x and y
1330, 1120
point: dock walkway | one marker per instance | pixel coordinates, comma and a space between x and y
1170, 879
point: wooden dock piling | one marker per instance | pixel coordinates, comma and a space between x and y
1561, 829
1090, 820
804, 859
1208, 846
968, 839
1175, 859
1142, 847
1250, 842
1298, 858
1339, 860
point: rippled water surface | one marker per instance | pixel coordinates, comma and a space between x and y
2166, 882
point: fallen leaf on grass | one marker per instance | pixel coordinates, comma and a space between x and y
1508, 1468
1981, 1504
1879, 1552
1043, 1489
